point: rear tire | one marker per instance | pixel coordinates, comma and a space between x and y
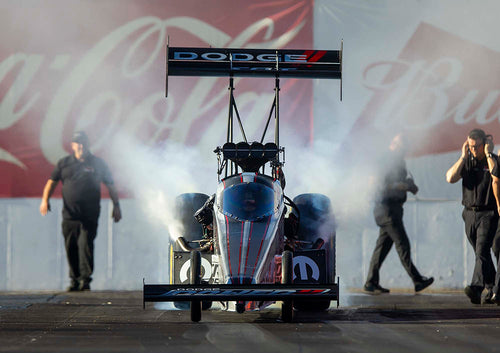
185, 207
195, 279
317, 222
317, 226
287, 278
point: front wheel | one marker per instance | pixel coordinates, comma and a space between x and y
195, 278
287, 278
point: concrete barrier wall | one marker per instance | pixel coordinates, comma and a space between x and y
32, 255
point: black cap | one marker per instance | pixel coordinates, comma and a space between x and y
80, 137
477, 134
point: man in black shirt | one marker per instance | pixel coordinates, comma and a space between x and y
388, 214
81, 174
478, 169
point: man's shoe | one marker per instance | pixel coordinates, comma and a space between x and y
496, 299
424, 283
374, 289
74, 286
488, 298
473, 294
382, 289
84, 286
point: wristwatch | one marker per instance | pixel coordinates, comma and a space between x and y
489, 155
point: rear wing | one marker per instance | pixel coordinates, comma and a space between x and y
240, 62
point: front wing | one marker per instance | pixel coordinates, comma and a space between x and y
228, 292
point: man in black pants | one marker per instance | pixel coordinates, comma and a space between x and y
81, 174
478, 169
495, 293
495, 297
388, 214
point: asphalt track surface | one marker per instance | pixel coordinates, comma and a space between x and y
116, 322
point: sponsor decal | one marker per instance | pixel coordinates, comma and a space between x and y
305, 265
209, 266
439, 88
206, 270
109, 79
218, 56
245, 292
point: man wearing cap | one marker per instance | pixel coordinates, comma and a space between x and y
478, 169
81, 174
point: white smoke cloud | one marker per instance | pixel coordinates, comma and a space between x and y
156, 175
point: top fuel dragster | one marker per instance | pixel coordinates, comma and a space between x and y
249, 244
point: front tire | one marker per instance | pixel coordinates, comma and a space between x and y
287, 278
195, 278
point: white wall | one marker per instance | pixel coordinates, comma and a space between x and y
32, 253
33, 257
438, 244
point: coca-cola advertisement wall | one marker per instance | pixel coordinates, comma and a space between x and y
99, 66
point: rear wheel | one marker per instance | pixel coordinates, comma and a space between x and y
195, 278
287, 278
317, 227
185, 207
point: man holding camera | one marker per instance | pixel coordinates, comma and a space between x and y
478, 169
388, 214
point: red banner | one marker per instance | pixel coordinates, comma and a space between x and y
439, 89
99, 66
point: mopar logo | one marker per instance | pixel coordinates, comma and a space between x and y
209, 268
307, 268
217, 56
205, 265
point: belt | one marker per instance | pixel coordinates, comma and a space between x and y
479, 208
